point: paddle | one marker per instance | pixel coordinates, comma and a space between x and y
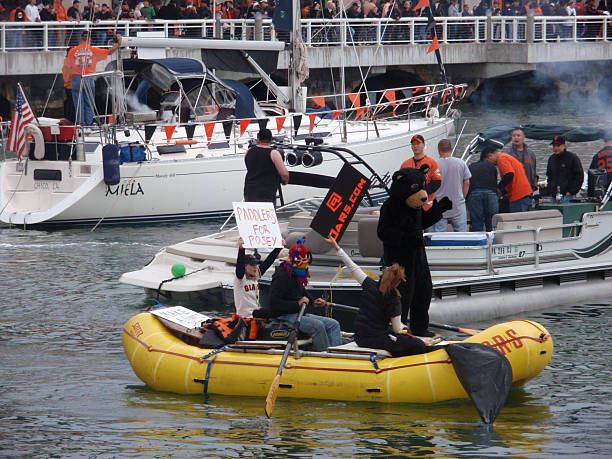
273, 392
467, 331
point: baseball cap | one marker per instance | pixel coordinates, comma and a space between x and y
251, 260
558, 140
417, 138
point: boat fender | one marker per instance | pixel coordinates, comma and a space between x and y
110, 164
39, 141
186, 142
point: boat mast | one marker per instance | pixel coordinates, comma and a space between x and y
294, 82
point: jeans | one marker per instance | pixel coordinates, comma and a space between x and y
324, 331
483, 204
459, 223
522, 205
83, 108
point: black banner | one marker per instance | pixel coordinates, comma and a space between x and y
341, 203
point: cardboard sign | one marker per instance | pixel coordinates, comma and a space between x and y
341, 203
182, 316
257, 224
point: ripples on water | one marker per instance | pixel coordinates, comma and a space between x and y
67, 390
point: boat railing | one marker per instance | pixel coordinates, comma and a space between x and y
537, 240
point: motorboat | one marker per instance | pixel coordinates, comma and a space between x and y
166, 357
182, 133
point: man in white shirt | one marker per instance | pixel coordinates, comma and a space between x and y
455, 184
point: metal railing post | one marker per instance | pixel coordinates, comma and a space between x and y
378, 31
411, 38
45, 37
530, 32
258, 26
489, 28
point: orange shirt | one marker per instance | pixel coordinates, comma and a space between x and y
82, 59
432, 174
519, 187
60, 11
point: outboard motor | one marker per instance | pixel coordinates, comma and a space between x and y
312, 158
294, 157
110, 164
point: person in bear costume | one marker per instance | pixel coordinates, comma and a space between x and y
400, 228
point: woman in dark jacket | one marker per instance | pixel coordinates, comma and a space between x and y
380, 307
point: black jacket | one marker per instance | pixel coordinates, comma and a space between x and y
375, 311
285, 293
400, 228
564, 171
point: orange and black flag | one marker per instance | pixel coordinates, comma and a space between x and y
435, 46
430, 30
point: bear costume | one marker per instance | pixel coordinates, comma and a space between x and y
400, 228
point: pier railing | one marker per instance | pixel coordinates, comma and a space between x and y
54, 36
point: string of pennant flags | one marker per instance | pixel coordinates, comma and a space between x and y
388, 98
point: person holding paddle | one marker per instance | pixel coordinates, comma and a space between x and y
288, 293
380, 306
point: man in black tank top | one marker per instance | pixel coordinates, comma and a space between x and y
265, 170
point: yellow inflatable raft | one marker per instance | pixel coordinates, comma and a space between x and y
166, 363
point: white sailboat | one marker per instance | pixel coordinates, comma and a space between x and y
183, 153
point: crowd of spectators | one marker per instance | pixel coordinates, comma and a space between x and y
111, 10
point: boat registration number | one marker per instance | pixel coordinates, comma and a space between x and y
508, 251
42, 185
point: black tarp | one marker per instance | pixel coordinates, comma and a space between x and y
486, 375
503, 133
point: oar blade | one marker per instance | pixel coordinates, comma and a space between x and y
469, 331
272, 394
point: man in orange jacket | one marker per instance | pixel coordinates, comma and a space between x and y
513, 179
61, 15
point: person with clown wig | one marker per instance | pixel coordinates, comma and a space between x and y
288, 292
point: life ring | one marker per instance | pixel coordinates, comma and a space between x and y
39, 141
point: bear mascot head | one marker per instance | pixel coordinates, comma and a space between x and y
408, 186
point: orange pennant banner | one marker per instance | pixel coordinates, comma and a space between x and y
335, 114
111, 119
313, 117
243, 125
169, 128
280, 120
319, 101
421, 4
390, 96
434, 45
209, 128
356, 101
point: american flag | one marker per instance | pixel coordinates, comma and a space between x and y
21, 116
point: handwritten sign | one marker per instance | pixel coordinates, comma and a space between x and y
182, 316
341, 203
257, 224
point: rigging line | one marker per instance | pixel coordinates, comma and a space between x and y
376, 52
115, 201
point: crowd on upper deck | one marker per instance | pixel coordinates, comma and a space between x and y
33, 11
91, 10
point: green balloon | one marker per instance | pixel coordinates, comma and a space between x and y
178, 270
